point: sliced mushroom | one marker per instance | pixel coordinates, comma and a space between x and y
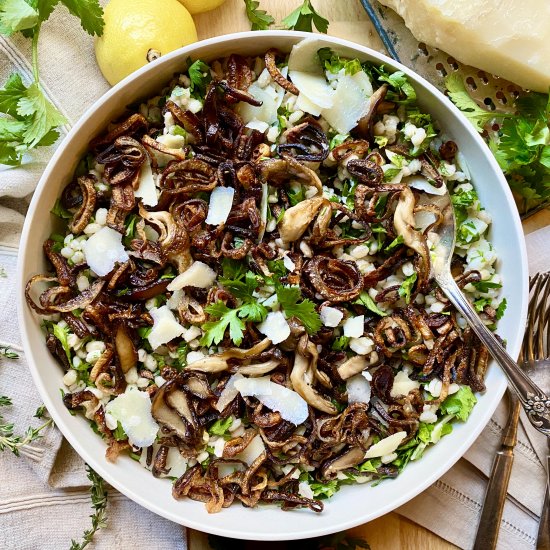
350, 458
258, 369
126, 351
352, 366
297, 219
365, 125
302, 377
278, 171
165, 415
218, 362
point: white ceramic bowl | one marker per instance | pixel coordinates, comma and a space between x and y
352, 505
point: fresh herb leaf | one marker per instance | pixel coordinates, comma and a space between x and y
406, 287
17, 15
60, 211
401, 90
40, 411
182, 351
481, 303
324, 490
226, 318
260, 20
90, 14
119, 433
340, 343
459, 404
365, 300
461, 98
331, 62
304, 18
199, 74
7, 352
295, 195
289, 299
398, 241
98, 494
221, 426
485, 286
62, 334
499, 312
232, 269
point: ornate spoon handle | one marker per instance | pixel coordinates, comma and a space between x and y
533, 400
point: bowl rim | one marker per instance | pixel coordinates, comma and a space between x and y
98, 463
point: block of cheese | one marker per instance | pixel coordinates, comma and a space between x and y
508, 38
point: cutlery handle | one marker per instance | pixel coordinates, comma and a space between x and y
495, 497
533, 400
543, 538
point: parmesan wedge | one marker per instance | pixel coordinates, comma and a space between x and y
147, 190
386, 446
165, 327
198, 275
103, 250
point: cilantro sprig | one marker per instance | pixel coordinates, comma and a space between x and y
521, 144
260, 20
27, 118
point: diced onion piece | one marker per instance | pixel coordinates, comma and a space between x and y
358, 389
354, 326
133, 410
275, 327
350, 104
229, 392
221, 201
198, 275
422, 184
103, 250
147, 190
386, 446
402, 384
165, 327
330, 316
289, 404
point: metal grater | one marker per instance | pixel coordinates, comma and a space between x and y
492, 92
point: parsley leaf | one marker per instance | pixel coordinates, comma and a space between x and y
304, 18
288, 297
119, 433
62, 334
340, 343
60, 211
90, 14
331, 62
199, 74
401, 90
485, 286
221, 426
324, 490
461, 98
227, 318
499, 312
260, 20
365, 300
16, 15
406, 287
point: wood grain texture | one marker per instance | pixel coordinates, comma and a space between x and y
347, 20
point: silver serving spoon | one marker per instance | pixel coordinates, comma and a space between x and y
533, 400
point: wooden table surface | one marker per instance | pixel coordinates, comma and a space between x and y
347, 20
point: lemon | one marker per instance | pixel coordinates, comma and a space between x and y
138, 31
200, 6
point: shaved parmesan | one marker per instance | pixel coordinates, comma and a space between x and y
354, 326
402, 384
229, 392
275, 327
271, 99
252, 451
422, 184
221, 202
330, 316
175, 463
314, 87
199, 275
289, 404
103, 250
133, 410
423, 219
386, 446
258, 125
358, 389
304, 104
350, 103
147, 190
165, 327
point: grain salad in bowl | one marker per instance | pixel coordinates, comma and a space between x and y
241, 295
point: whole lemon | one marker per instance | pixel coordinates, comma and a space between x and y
200, 6
139, 31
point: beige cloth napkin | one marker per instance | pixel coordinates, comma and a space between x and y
49, 483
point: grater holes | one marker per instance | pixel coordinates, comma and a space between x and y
501, 97
490, 104
483, 77
440, 68
451, 61
422, 49
471, 83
